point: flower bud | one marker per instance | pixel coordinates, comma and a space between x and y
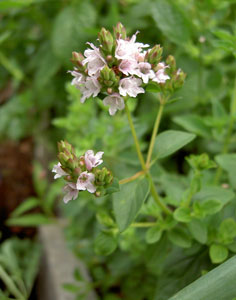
170, 61
154, 55
179, 79
106, 40
119, 31
108, 77
62, 157
77, 59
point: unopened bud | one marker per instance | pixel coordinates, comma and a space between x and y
77, 171
98, 193
119, 31
110, 91
170, 61
106, 40
109, 58
62, 158
154, 55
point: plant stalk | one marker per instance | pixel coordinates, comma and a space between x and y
144, 167
154, 133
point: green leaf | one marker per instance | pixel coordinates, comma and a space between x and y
114, 187
216, 284
198, 230
153, 234
171, 141
105, 243
183, 214
71, 28
215, 198
218, 253
227, 231
29, 220
8, 4
28, 204
128, 202
179, 237
228, 163
193, 123
210, 207
172, 21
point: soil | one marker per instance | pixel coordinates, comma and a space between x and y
15, 183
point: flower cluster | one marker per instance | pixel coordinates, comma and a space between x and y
121, 67
81, 173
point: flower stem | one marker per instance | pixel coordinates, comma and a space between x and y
154, 133
131, 124
144, 167
143, 224
132, 178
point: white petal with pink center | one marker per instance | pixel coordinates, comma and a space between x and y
115, 101
90, 88
85, 182
94, 60
144, 70
71, 192
58, 170
78, 80
130, 86
128, 66
160, 76
128, 49
91, 160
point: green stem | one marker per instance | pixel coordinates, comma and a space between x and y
154, 133
10, 285
144, 167
131, 124
143, 224
226, 144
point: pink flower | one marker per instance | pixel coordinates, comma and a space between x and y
90, 87
128, 49
91, 160
128, 66
85, 182
94, 60
160, 76
130, 86
78, 80
115, 101
58, 170
71, 192
144, 70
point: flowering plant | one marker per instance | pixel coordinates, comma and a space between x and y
150, 211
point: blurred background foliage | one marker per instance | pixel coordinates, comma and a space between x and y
37, 100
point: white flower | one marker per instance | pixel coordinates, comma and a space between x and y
128, 66
160, 76
144, 70
58, 170
85, 182
94, 60
90, 87
92, 160
130, 86
115, 101
71, 192
78, 80
128, 49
